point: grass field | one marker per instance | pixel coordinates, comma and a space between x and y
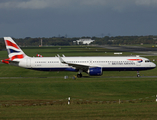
91, 98
27, 94
139, 111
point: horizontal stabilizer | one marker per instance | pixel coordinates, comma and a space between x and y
8, 61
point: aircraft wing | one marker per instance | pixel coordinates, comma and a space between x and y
77, 66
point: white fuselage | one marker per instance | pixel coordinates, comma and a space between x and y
127, 63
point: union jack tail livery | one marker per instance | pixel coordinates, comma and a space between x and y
15, 54
14, 51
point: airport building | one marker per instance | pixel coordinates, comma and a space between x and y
84, 41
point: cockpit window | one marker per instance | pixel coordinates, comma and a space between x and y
147, 60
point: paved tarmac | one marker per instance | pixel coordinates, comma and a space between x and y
78, 78
134, 49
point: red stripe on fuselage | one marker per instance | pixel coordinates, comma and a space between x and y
11, 44
135, 59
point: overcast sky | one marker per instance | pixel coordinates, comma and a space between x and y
77, 18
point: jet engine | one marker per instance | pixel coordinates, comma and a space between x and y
95, 71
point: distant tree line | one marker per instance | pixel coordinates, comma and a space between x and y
62, 41
126, 40
45, 41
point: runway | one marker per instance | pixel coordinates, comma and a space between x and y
70, 77
134, 49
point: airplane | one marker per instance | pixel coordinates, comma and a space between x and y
94, 66
38, 55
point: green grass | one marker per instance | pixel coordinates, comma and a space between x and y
86, 112
16, 92
86, 88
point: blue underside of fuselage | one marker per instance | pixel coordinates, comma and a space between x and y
54, 69
127, 69
104, 69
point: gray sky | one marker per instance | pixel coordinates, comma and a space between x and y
77, 18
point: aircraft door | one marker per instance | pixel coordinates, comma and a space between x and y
138, 63
28, 63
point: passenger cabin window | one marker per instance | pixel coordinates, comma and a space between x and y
147, 60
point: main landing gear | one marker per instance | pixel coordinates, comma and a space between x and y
138, 74
79, 75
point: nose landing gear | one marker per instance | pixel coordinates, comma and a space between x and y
138, 74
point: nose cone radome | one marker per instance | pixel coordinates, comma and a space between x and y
153, 65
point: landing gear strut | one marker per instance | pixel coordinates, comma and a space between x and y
79, 75
138, 74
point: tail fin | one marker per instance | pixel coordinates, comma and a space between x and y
14, 51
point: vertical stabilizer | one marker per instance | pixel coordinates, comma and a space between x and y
14, 51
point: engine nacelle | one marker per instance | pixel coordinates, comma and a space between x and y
96, 71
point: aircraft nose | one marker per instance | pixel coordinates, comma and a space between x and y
153, 65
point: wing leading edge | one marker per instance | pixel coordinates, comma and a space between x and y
77, 66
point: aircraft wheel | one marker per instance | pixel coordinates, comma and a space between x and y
138, 74
79, 75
